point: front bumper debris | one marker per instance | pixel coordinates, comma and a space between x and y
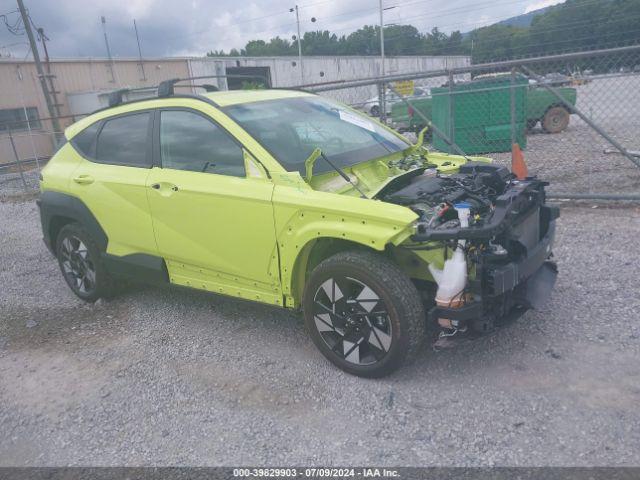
504, 292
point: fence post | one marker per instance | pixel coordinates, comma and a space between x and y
512, 91
382, 102
18, 163
452, 130
430, 124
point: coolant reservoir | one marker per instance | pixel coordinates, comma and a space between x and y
452, 279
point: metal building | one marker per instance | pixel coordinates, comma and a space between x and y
79, 86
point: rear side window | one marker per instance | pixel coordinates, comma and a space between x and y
124, 140
189, 141
85, 141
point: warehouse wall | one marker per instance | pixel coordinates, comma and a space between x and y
285, 71
19, 87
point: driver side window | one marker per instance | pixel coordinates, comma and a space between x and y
189, 141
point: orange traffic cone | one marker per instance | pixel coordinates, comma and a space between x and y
518, 167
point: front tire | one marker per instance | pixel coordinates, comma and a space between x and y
363, 313
375, 111
555, 120
81, 264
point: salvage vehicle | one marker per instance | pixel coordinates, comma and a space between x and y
541, 106
294, 200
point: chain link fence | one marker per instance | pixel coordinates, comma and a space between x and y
575, 116
26, 144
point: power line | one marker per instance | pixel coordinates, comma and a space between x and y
545, 30
446, 12
433, 14
14, 28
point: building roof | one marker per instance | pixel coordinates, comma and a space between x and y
287, 58
234, 97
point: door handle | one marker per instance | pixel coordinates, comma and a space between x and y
167, 186
83, 179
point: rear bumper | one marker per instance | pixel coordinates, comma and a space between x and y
516, 286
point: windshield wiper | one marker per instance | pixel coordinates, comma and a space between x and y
342, 174
318, 153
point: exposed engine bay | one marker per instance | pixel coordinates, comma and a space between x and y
495, 233
432, 196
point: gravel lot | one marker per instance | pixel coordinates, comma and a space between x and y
175, 377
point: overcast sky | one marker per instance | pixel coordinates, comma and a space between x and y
193, 27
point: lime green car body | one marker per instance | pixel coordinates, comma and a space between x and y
254, 237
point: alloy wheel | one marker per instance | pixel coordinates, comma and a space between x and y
77, 265
352, 320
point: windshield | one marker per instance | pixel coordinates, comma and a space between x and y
290, 129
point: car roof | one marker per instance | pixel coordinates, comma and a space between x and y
221, 99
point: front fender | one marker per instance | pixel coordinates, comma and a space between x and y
302, 216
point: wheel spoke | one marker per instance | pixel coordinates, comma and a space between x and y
332, 290
66, 266
379, 339
91, 276
367, 299
324, 323
66, 246
352, 351
324, 307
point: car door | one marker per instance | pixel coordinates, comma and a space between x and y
213, 224
111, 180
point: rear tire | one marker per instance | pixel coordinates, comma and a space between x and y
363, 313
555, 120
81, 264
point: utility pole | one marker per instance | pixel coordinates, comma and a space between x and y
41, 74
135, 27
382, 36
47, 64
106, 42
299, 44
382, 94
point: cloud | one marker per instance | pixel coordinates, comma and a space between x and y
541, 4
194, 27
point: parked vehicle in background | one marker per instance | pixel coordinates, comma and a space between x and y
544, 107
372, 105
540, 106
557, 79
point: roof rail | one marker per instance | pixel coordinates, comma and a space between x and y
116, 97
166, 87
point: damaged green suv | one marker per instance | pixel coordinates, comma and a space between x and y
291, 199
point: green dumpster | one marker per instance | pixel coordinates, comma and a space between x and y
476, 115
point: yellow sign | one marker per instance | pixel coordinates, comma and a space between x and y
404, 88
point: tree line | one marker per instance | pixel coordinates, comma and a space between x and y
571, 26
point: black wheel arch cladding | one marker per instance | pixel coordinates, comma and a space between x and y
56, 205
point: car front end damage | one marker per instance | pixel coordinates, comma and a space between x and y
486, 241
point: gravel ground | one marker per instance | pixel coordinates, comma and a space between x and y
177, 377
12, 184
